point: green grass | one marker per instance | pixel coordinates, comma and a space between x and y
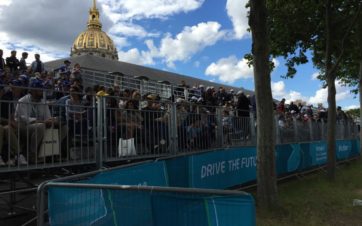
312, 200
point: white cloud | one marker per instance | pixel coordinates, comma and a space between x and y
119, 41
320, 96
131, 9
276, 63
351, 107
315, 76
46, 23
130, 29
135, 56
7, 45
179, 48
279, 92
238, 15
190, 41
278, 89
5, 2
230, 69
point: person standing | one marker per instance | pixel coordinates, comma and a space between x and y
22, 65
2, 61
37, 65
12, 62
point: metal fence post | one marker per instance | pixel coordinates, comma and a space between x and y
40, 204
295, 130
277, 131
100, 130
311, 135
173, 129
219, 131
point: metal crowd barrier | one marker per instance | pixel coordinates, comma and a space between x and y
101, 131
106, 204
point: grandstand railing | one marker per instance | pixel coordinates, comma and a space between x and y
141, 84
102, 132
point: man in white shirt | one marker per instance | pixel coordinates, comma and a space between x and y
34, 117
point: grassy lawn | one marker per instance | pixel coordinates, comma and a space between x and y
312, 200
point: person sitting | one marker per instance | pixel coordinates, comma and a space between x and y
75, 112
33, 115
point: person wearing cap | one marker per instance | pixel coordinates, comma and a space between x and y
37, 65
12, 62
17, 89
33, 115
24, 79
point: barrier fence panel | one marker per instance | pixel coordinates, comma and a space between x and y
39, 134
97, 204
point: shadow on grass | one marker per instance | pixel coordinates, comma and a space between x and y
312, 200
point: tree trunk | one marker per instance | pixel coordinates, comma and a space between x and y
331, 134
266, 170
360, 76
360, 96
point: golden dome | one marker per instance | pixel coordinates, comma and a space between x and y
94, 41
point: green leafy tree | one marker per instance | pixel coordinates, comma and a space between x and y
323, 29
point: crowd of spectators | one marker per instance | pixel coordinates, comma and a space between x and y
33, 99
26, 92
302, 112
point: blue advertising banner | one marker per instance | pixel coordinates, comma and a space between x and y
178, 171
343, 149
201, 210
222, 168
288, 158
355, 148
148, 174
103, 207
73, 206
313, 154
218, 169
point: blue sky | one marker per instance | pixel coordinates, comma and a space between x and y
200, 38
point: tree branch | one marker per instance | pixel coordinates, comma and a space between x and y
334, 68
